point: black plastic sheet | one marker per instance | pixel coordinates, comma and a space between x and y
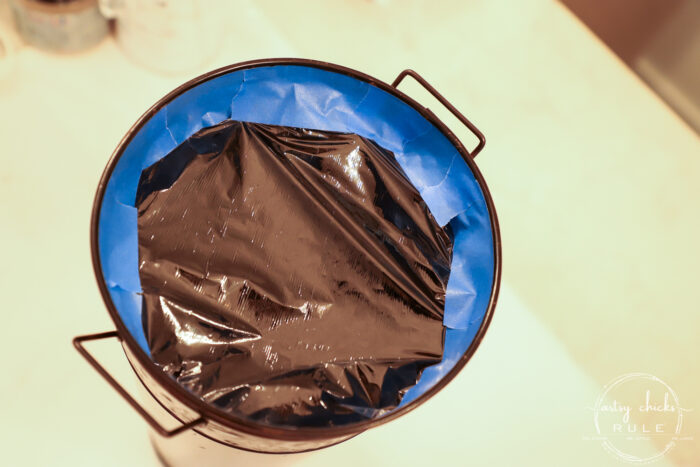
291, 276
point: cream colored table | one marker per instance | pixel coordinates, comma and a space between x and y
595, 181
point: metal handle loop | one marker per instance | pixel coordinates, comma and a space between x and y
78, 344
448, 105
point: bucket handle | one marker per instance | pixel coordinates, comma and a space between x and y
78, 344
447, 104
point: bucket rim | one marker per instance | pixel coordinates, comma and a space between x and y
211, 413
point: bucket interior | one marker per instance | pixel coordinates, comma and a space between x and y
315, 98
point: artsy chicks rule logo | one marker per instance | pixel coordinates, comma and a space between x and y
639, 418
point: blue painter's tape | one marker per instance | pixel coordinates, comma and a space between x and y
308, 97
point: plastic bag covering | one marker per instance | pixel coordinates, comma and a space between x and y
292, 276
309, 97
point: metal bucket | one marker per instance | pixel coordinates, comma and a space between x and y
385, 109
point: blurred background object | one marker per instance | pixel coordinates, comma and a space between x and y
168, 36
59, 25
7, 53
658, 39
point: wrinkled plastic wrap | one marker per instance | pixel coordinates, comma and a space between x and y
290, 276
309, 97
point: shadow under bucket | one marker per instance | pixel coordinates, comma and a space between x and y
302, 94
